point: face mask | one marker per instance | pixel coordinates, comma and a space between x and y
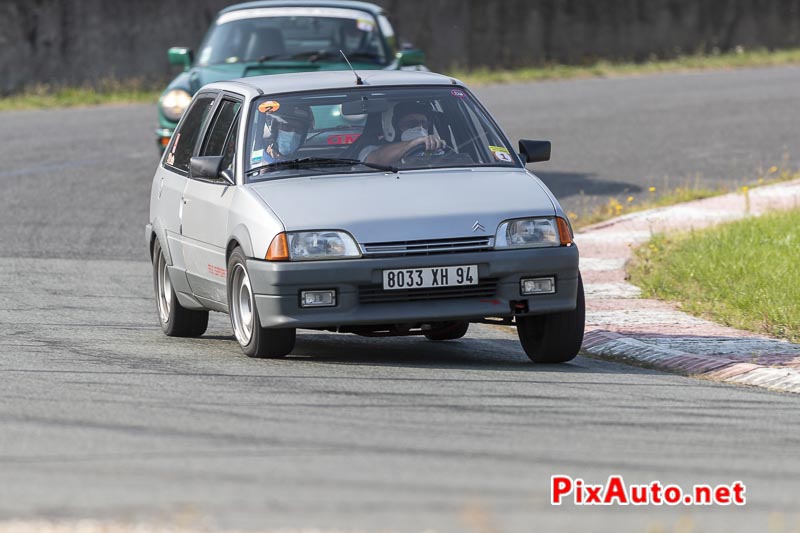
288, 141
413, 133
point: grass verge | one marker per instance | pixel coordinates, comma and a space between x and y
744, 274
43, 96
665, 195
739, 58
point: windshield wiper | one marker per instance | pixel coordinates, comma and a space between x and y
312, 56
376, 166
264, 59
317, 56
310, 162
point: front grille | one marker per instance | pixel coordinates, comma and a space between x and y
374, 294
428, 247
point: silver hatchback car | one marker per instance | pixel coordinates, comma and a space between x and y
384, 204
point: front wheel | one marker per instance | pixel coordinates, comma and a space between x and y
554, 338
176, 321
255, 341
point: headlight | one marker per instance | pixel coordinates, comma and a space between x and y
529, 233
174, 103
315, 245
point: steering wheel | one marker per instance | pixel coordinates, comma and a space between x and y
419, 152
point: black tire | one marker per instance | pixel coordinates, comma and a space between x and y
175, 320
255, 341
447, 331
554, 338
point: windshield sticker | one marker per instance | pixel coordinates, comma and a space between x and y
501, 154
365, 25
269, 107
257, 157
171, 154
458, 93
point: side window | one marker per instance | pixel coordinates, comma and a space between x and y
230, 146
185, 137
220, 130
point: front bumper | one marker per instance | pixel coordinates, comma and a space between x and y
277, 287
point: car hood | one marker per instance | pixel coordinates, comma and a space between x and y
411, 205
200, 76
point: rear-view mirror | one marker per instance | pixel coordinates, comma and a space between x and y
364, 105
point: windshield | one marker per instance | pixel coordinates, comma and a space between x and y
393, 128
286, 33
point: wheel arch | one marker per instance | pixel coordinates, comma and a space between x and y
158, 232
240, 236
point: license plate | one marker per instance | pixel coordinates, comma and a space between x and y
430, 277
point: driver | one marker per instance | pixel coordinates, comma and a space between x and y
411, 121
285, 130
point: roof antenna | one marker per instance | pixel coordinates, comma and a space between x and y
359, 81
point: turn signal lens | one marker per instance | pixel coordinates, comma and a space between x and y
278, 249
563, 231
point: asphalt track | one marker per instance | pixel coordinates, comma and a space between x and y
102, 416
620, 136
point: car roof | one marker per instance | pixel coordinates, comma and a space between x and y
339, 79
363, 6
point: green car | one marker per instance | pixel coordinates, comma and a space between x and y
275, 37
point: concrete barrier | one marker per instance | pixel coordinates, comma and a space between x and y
513, 33
83, 41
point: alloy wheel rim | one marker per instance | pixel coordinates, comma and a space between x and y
164, 290
242, 305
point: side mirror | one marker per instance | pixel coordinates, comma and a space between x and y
183, 57
207, 168
410, 58
227, 175
534, 151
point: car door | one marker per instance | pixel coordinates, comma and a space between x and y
206, 203
174, 171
